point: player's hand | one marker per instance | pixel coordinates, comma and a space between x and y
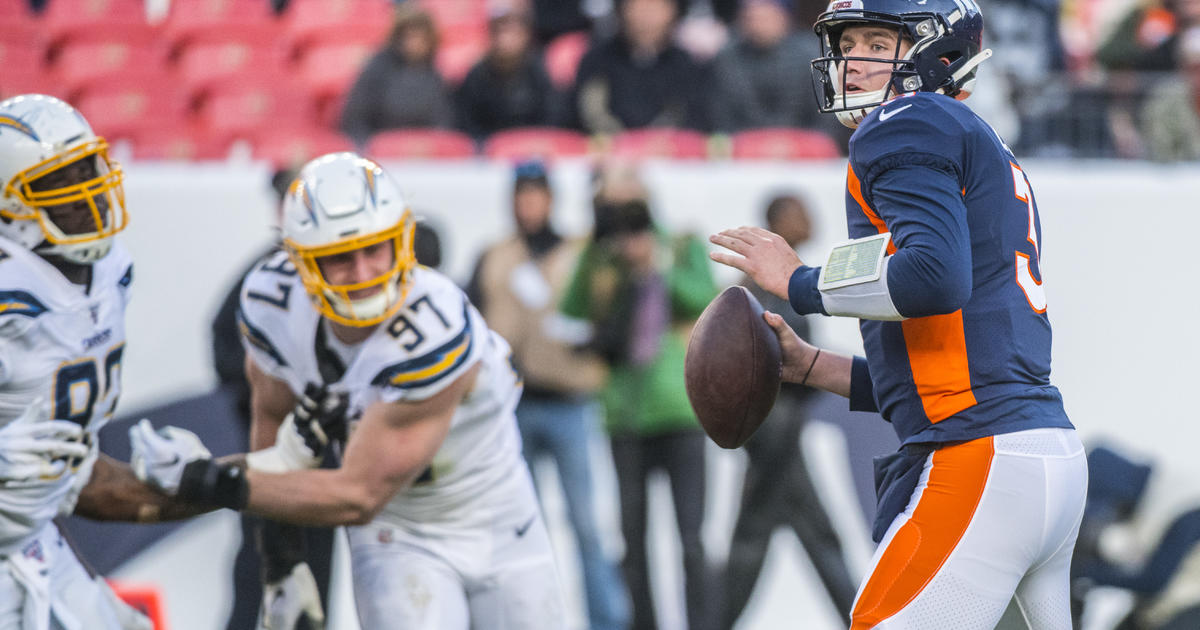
35, 449
320, 418
762, 255
159, 456
797, 354
290, 598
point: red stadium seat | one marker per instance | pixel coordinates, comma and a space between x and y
255, 33
563, 56
123, 107
80, 62
123, 20
15, 11
290, 147
230, 12
535, 142
244, 109
200, 64
22, 57
420, 144
455, 58
178, 143
308, 22
783, 143
328, 70
665, 143
452, 15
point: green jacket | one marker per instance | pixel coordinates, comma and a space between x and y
652, 398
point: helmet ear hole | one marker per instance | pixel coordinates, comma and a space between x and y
936, 64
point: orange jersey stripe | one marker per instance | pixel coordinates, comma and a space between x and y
921, 546
855, 188
937, 356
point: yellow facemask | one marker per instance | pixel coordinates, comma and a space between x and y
333, 300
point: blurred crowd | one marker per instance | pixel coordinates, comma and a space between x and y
1070, 78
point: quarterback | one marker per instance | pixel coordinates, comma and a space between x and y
445, 531
64, 284
983, 501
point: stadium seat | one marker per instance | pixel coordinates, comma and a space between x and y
420, 144
535, 142
178, 143
562, 57
289, 147
256, 33
200, 64
125, 106
451, 15
22, 57
123, 20
80, 62
15, 11
208, 12
328, 70
456, 56
681, 144
243, 108
783, 143
308, 22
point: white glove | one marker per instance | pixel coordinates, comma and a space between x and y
34, 448
286, 600
160, 456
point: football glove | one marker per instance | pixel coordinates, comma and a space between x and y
320, 418
292, 597
160, 456
34, 448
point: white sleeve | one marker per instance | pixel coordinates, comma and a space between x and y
868, 300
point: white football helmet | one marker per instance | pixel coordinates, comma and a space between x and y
60, 194
339, 203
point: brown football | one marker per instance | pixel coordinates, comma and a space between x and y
732, 367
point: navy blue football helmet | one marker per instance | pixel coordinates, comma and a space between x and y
946, 38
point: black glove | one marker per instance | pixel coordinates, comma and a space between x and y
320, 417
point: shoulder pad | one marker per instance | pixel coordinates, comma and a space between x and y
922, 123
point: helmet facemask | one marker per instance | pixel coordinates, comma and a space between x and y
77, 199
345, 303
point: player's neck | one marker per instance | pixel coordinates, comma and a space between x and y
350, 335
75, 273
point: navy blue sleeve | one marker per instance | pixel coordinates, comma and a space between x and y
922, 205
803, 294
862, 390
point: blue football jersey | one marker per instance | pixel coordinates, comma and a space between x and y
973, 356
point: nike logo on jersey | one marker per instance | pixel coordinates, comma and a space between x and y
883, 116
524, 528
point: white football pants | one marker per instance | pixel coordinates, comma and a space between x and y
991, 519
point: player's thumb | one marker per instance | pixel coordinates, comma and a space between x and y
775, 321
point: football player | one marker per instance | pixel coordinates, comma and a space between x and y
64, 283
983, 501
445, 530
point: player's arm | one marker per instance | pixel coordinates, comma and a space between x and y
114, 493
391, 446
270, 402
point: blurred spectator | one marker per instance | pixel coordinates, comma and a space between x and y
552, 18
761, 77
229, 360
516, 285
639, 78
399, 86
509, 87
1171, 117
642, 290
1146, 38
778, 490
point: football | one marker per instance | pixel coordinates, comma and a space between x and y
732, 369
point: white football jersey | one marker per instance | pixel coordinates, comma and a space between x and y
62, 342
433, 340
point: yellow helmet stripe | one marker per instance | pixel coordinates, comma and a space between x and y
9, 121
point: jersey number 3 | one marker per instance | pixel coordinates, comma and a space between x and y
1035, 293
